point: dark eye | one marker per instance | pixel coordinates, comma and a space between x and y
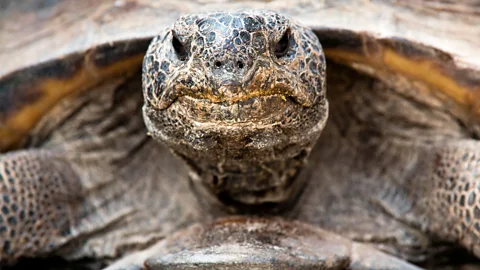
281, 48
179, 48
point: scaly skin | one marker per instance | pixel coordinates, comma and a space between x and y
242, 98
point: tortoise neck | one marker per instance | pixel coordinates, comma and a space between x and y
250, 185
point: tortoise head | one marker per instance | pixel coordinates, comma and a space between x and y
242, 98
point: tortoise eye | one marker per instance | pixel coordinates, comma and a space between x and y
282, 46
179, 48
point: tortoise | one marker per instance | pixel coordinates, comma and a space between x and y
213, 142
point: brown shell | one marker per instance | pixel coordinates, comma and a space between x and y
52, 49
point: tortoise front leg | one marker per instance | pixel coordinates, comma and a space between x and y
42, 205
449, 193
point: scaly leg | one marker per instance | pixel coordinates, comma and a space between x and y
74, 183
449, 198
42, 205
92, 184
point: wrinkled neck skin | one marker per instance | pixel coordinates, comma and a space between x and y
241, 180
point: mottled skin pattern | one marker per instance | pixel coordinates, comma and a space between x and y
392, 168
240, 97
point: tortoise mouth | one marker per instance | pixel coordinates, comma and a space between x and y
265, 109
232, 95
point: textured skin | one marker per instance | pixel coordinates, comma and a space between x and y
369, 177
32, 185
244, 118
98, 209
453, 184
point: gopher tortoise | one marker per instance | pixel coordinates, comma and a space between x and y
241, 135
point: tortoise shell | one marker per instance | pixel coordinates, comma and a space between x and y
105, 40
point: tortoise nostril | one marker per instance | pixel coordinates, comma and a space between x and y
218, 64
